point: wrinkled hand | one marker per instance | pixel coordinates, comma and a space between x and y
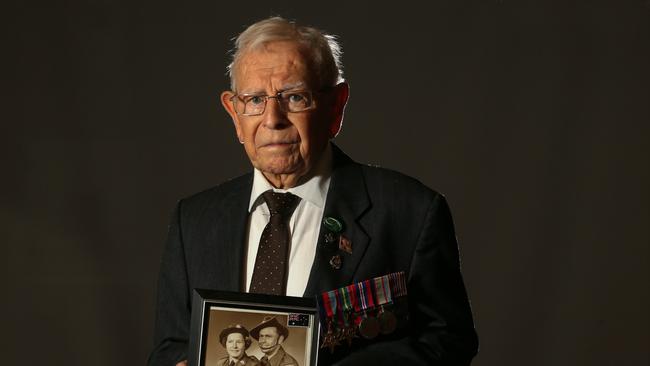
182, 363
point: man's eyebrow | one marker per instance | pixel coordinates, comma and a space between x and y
292, 86
285, 87
252, 91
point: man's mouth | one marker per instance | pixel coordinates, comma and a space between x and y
279, 143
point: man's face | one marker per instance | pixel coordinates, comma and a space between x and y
269, 339
279, 142
235, 344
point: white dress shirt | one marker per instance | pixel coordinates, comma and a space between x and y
304, 225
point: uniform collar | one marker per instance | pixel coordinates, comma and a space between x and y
314, 190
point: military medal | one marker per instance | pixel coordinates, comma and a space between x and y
330, 340
361, 307
349, 331
369, 326
387, 320
340, 316
327, 310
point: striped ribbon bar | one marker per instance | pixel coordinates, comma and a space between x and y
346, 302
397, 283
340, 315
332, 302
383, 290
366, 297
327, 306
361, 296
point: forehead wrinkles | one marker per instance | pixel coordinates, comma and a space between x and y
273, 65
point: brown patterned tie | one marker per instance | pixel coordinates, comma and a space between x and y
271, 263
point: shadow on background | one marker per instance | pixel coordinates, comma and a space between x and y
532, 118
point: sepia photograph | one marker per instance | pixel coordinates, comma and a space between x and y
233, 329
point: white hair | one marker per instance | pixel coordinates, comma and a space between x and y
324, 50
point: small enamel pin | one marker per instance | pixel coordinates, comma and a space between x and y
336, 262
329, 238
332, 224
345, 244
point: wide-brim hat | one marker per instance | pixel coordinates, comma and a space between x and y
270, 321
236, 328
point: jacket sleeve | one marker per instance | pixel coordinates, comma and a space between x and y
173, 306
441, 327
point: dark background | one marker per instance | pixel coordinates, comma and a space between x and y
531, 116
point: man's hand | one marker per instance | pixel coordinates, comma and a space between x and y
182, 363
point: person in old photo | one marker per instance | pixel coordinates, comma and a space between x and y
236, 340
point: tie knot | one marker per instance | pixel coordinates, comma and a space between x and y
281, 204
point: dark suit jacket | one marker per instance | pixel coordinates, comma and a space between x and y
394, 223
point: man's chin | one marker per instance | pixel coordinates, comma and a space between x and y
281, 167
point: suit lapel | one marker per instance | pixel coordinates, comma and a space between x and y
347, 201
223, 259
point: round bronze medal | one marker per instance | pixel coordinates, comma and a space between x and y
369, 327
387, 322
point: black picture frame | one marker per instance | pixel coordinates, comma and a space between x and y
213, 311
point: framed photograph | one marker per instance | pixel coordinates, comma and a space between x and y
232, 328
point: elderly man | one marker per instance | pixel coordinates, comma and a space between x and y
270, 335
236, 340
263, 232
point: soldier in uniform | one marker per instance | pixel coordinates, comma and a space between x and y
236, 340
270, 334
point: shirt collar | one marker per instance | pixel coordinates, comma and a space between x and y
314, 190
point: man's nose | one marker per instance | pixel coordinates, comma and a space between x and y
274, 116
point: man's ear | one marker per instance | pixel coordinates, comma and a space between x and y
281, 339
229, 106
341, 93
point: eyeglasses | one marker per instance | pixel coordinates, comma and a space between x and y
289, 101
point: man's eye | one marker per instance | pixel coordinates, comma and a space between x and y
295, 98
255, 99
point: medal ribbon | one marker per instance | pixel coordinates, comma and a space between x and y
354, 298
361, 297
322, 312
402, 283
397, 283
328, 307
365, 295
340, 296
355, 303
331, 301
382, 289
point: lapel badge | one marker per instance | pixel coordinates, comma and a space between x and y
329, 238
332, 224
336, 262
345, 244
